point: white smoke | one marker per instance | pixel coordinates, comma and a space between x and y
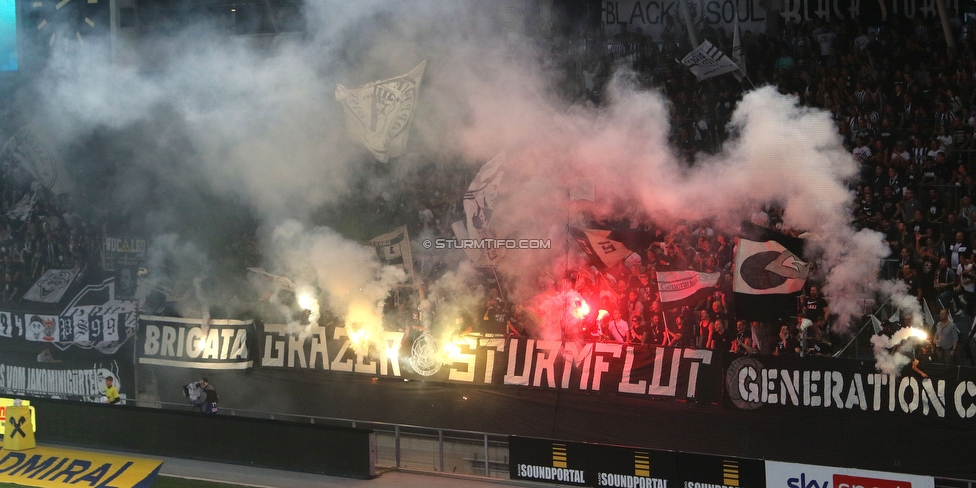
890, 353
262, 126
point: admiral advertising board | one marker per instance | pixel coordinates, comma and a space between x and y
53, 467
790, 475
579, 464
661, 372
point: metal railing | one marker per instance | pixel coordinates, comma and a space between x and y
402, 446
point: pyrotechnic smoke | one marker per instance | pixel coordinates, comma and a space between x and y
781, 153
453, 302
259, 126
351, 279
890, 353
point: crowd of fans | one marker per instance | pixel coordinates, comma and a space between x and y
905, 106
903, 102
39, 231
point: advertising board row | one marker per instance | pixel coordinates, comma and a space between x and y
579, 464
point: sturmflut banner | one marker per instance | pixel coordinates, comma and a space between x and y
194, 343
618, 368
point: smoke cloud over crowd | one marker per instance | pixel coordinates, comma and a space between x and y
255, 126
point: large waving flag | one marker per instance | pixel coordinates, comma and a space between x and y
479, 205
767, 268
707, 61
768, 274
378, 114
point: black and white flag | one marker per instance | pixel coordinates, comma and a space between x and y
393, 248
378, 114
707, 61
50, 287
678, 285
479, 206
601, 247
767, 268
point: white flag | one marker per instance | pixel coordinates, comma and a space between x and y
23, 208
479, 205
707, 61
737, 55
927, 318
678, 285
876, 324
280, 281
378, 114
393, 248
50, 287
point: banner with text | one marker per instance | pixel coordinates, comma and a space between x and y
94, 318
650, 15
595, 366
193, 343
64, 380
802, 11
757, 383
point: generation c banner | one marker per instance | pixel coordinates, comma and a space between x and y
661, 372
192, 343
755, 383
789, 475
55, 467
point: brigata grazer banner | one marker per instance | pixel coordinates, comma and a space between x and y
662, 372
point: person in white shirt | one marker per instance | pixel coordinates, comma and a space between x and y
618, 328
967, 281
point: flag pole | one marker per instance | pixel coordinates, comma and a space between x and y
876, 312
